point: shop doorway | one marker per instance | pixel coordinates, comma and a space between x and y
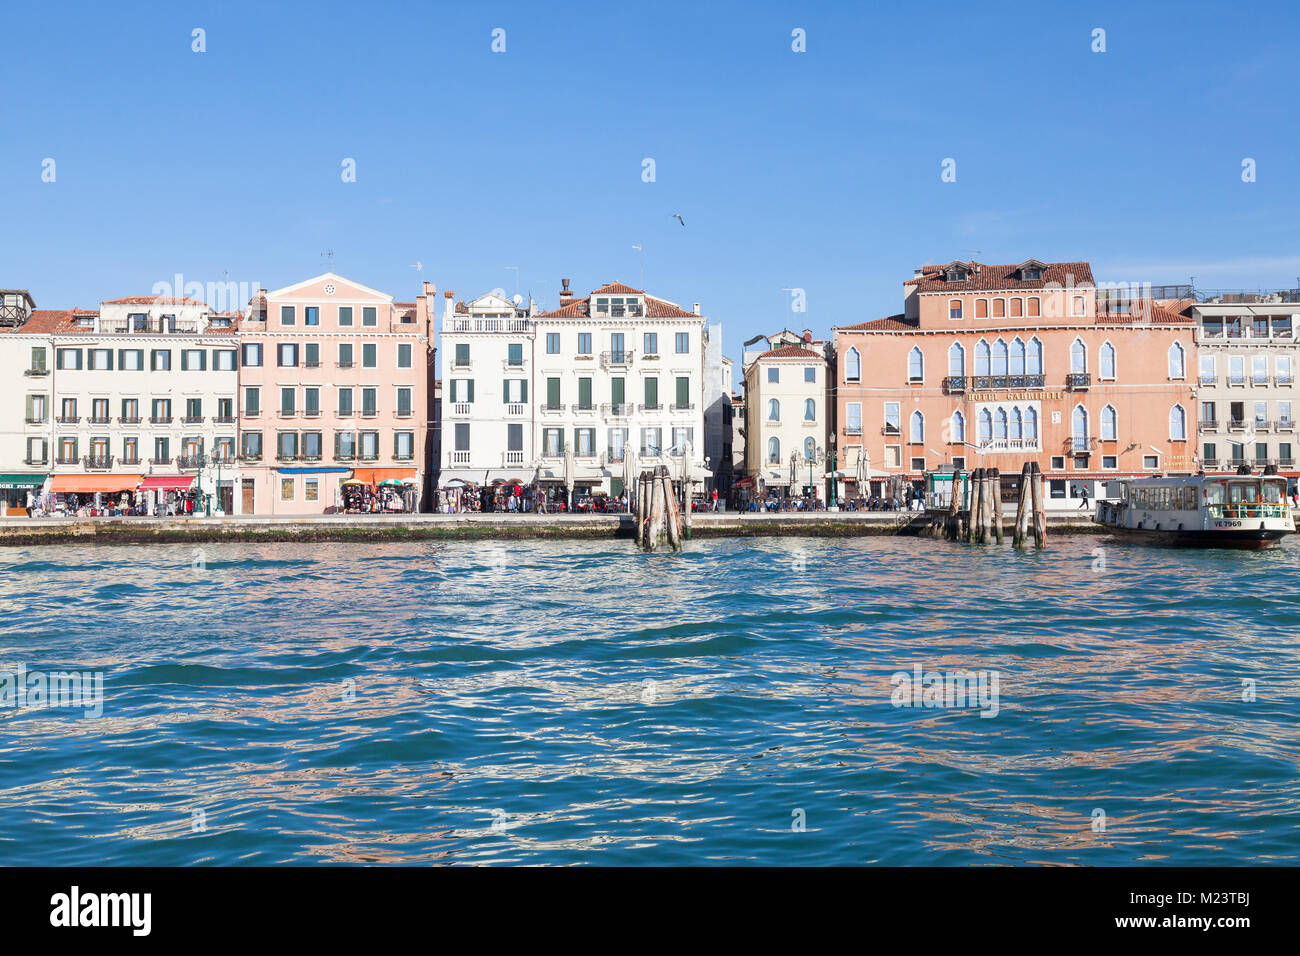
246, 496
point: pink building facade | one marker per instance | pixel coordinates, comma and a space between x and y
333, 387
995, 365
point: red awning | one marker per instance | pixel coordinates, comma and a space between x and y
743, 483
167, 483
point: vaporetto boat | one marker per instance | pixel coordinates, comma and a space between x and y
1206, 511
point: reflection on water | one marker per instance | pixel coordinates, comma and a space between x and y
570, 702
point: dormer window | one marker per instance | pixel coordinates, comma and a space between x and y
956, 275
617, 307
1031, 273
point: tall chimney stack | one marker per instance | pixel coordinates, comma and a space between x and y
565, 293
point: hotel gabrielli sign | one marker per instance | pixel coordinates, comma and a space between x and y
1035, 395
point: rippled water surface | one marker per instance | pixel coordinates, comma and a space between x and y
578, 702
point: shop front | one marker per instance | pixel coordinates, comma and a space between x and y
93, 495
169, 495
381, 491
17, 489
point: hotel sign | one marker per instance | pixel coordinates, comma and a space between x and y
1034, 396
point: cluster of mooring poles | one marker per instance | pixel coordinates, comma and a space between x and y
975, 513
660, 519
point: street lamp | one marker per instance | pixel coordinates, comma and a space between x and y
835, 463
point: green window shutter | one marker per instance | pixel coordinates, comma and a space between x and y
523, 389
471, 390
203, 361
616, 393
505, 390
683, 391
29, 407
584, 392
58, 358
185, 360
652, 391
121, 362
110, 360
552, 391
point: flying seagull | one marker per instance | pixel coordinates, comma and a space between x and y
679, 219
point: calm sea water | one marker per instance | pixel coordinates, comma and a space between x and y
578, 702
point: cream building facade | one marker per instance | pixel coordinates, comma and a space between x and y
787, 409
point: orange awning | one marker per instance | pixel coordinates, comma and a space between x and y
86, 484
373, 476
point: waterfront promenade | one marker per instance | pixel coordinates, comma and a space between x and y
27, 531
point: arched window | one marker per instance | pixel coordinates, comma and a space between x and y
986, 425
1017, 430
1079, 428
1177, 424
809, 410
999, 308
773, 410
956, 359
918, 428
958, 427
915, 365
1177, 361
1017, 363
1034, 308
1031, 424
774, 451
852, 366
1034, 357
999, 357
954, 308
809, 449
1078, 356
1106, 361
1109, 424
982, 357
981, 308
1000, 424
1017, 308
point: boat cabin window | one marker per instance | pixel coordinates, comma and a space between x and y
1215, 493
1240, 492
1274, 492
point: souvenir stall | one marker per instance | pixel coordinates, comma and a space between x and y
92, 496
17, 489
163, 495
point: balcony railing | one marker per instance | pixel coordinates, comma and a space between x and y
192, 420
954, 384
37, 420
512, 458
853, 429
128, 420
468, 323
1237, 425
984, 382
160, 461
616, 359
688, 407
1078, 380
546, 407
68, 419
65, 460
250, 455
1209, 425
224, 419
160, 419
133, 460
1080, 445
515, 409
588, 409
97, 462
650, 408
1284, 425
890, 430
1208, 379
37, 372
616, 410
99, 419
189, 461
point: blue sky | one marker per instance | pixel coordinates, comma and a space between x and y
817, 170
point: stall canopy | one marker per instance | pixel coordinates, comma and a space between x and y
373, 476
168, 483
12, 482
88, 484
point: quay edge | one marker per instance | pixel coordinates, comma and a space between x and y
41, 531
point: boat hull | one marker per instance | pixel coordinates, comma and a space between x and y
1256, 539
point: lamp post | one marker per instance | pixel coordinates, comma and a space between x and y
816, 456
834, 504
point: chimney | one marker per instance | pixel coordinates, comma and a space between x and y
696, 308
449, 307
565, 293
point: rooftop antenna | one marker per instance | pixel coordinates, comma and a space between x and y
515, 270
328, 255
418, 266
641, 249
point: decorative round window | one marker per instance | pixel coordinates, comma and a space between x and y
329, 288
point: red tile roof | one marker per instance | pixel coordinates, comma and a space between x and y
654, 308
893, 323
990, 278
40, 322
791, 351
1150, 312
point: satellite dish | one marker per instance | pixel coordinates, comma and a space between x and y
518, 299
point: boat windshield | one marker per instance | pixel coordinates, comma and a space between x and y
1248, 498
1274, 492
1215, 493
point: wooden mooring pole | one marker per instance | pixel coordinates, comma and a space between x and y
1022, 507
1040, 511
995, 496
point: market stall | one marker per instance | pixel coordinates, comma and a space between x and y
93, 495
